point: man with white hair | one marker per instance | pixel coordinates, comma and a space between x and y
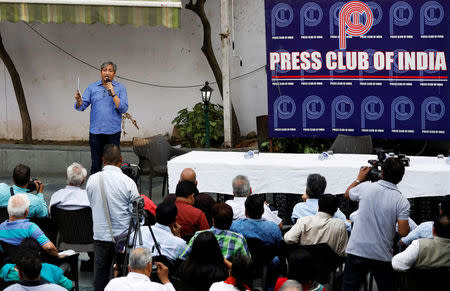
72, 197
140, 267
241, 190
291, 285
17, 227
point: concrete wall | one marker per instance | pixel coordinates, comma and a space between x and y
150, 54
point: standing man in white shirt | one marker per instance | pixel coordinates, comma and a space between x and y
138, 278
119, 191
72, 197
241, 190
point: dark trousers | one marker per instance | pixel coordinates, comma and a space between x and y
103, 257
97, 143
356, 269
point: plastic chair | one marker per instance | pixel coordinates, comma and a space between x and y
419, 279
153, 153
262, 256
346, 144
74, 229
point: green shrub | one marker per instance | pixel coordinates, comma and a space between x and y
297, 145
191, 125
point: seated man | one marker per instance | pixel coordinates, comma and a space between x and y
14, 230
72, 197
253, 226
241, 190
427, 253
29, 266
231, 243
21, 179
166, 231
320, 228
315, 186
425, 229
140, 267
189, 218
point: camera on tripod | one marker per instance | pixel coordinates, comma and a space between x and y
375, 172
138, 205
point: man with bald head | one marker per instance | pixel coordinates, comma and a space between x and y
189, 174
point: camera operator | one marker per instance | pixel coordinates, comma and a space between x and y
119, 192
381, 206
23, 184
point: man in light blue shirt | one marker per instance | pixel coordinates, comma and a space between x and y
21, 178
108, 100
166, 231
315, 186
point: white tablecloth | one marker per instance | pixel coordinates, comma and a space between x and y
287, 173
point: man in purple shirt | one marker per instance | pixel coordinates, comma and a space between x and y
108, 100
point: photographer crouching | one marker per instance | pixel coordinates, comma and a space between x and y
381, 206
23, 184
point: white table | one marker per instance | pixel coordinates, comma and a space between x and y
287, 173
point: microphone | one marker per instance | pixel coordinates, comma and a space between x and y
107, 80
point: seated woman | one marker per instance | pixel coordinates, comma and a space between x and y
300, 268
241, 276
205, 264
49, 273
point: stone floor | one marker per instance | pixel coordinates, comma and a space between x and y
54, 183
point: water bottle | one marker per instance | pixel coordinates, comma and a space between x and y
323, 156
249, 155
447, 160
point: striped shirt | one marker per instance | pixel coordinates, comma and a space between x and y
231, 243
15, 231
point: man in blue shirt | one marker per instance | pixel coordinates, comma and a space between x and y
108, 100
253, 226
21, 179
315, 186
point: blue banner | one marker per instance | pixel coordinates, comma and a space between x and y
358, 68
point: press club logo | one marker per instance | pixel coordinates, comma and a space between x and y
349, 21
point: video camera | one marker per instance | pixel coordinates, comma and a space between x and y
138, 205
375, 172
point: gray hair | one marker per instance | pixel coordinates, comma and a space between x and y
315, 185
241, 186
76, 174
139, 258
18, 205
107, 64
291, 285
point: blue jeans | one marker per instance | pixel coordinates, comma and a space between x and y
97, 143
356, 269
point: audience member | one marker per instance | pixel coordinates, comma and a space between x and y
253, 226
119, 191
140, 267
22, 179
241, 276
427, 253
315, 187
230, 242
205, 264
300, 269
189, 218
49, 272
72, 197
242, 190
291, 285
167, 233
320, 228
381, 205
29, 267
425, 229
14, 230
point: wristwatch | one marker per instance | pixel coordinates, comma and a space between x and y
358, 181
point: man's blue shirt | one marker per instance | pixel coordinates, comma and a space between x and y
310, 207
38, 207
105, 117
423, 230
264, 230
